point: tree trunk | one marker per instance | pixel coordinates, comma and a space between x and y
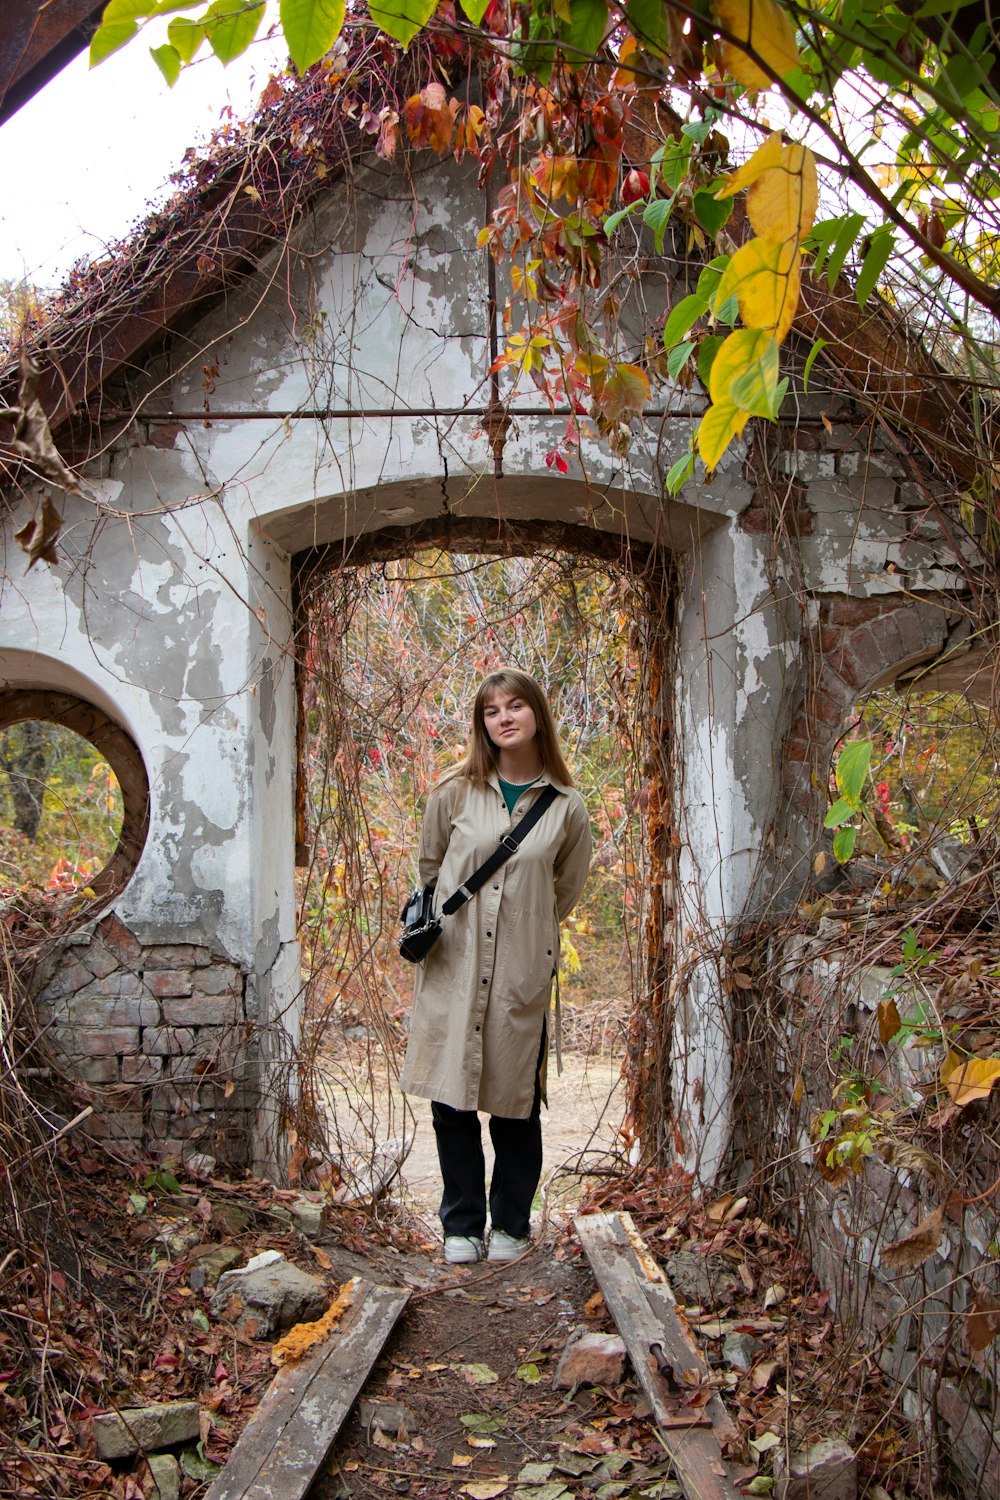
24, 756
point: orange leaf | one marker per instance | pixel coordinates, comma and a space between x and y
982, 1322
430, 118
917, 1246
888, 1020
624, 392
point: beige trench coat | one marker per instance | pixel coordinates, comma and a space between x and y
481, 996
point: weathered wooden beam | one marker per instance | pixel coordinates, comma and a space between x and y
37, 39
304, 1407
668, 1364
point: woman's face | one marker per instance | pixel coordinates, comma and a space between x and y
510, 721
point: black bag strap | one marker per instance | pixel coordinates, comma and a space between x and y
508, 845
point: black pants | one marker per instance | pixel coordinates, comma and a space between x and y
516, 1170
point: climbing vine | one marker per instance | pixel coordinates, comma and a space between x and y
607, 117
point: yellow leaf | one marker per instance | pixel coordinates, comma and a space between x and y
461, 1460
486, 1489
717, 428
766, 157
745, 374
765, 278
798, 1093
781, 203
970, 1080
763, 28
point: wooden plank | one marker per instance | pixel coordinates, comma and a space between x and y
667, 1362
293, 1429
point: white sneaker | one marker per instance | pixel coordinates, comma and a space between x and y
506, 1247
462, 1249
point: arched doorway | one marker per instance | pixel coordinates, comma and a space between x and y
383, 702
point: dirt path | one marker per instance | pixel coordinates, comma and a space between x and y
579, 1129
462, 1399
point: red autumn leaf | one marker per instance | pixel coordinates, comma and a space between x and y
430, 118
635, 187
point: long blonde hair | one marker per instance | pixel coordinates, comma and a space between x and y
481, 758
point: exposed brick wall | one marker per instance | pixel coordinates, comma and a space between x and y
156, 1038
911, 1318
856, 642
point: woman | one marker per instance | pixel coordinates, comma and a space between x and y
478, 1037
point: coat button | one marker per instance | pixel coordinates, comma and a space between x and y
489, 934
485, 981
479, 1028
496, 887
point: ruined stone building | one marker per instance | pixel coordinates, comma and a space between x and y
287, 372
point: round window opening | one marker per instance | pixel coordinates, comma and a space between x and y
74, 799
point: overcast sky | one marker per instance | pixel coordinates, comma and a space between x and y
82, 160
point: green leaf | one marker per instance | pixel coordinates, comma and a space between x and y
582, 36
648, 23
312, 26
529, 1373
168, 60
708, 281
679, 472
852, 768
672, 161
880, 247
185, 36
119, 24
656, 216
707, 350
200, 1320
843, 844
682, 319
841, 812
231, 26
612, 222
475, 9
851, 226
712, 212
816, 348
678, 358
728, 311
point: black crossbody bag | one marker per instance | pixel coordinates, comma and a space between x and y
421, 928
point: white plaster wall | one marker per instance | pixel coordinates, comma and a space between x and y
353, 370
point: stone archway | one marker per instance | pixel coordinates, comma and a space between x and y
649, 1032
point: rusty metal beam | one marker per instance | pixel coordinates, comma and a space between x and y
37, 39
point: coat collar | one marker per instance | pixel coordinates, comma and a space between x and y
544, 779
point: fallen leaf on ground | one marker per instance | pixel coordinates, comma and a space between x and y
529, 1373
485, 1489
461, 1460
476, 1440
534, 1473
477, 1374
